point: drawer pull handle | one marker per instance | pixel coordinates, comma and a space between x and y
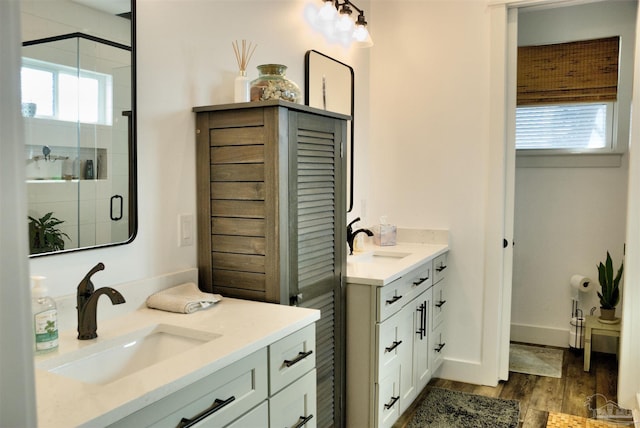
217, 405
421, 280
393, 300
440, 303
303, 421
391, 403
392, 347
439, 348
301, 356
441, 268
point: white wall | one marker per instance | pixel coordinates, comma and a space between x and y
429, 150
567, 218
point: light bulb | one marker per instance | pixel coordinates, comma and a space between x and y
328, 11
345, 23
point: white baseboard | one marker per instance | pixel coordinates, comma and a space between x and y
550, 336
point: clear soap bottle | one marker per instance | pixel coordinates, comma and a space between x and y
45, 317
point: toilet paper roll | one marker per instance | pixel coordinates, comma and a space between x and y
582, 283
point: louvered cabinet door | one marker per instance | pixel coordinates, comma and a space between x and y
317, 216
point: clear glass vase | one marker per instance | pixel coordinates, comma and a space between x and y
272, 84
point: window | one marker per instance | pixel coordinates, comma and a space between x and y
572, 127
567, 94
67, 93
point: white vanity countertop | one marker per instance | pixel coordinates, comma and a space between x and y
245, 326
363, 269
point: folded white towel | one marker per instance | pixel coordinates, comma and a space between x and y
184, 298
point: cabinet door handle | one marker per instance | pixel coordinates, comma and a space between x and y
424, 319
303, 421
421, 328
217, 405
439, 348
392, 347
441, 268
301, 356
393, 300
440, 303
421, 280
391, 403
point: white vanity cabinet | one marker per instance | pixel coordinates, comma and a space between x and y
272, 387
390, 342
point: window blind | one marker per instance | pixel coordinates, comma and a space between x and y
582, 71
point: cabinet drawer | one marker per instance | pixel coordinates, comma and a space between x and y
291, 357
439, 303
420, 279
440, 267
438, 347
295, 406
257, 418
388, 399
224, 395
393, 339
392, 297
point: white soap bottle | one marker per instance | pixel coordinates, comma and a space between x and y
45, 317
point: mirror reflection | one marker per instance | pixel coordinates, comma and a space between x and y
329, 86
78, 106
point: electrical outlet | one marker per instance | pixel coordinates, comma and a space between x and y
185, 230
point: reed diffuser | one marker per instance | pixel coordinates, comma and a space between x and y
243, 56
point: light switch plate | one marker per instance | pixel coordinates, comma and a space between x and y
185, 230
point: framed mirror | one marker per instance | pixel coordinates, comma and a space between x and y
78, 105
329, 86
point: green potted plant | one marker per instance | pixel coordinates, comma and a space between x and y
44, 235
610, 289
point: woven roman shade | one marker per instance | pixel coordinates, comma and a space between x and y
582, 71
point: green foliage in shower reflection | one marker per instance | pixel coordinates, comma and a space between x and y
44, 235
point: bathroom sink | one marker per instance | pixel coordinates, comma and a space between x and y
112, 359
378, 257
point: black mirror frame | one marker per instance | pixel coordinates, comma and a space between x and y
352, 134
132, 118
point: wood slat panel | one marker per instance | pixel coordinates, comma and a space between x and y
235, 118
237, 172
252, 191
237, 137
238, 244
240, 209
237, 154
238, 262
233, 279
325, 360
240, 293
237, 226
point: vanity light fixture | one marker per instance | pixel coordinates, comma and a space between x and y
336, 23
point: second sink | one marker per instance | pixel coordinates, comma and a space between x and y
112, 359
378, 257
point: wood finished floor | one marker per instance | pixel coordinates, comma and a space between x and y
539, 395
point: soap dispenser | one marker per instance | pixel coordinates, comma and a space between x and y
45, 317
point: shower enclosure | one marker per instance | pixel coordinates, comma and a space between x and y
76, 104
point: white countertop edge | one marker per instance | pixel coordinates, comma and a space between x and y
73, 403
370, 274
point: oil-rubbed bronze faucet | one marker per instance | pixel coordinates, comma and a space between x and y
88, 304
351, 235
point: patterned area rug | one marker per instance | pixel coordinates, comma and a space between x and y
443, 408
562, 420
535, 360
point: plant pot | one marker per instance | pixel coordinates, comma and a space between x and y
607, 314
